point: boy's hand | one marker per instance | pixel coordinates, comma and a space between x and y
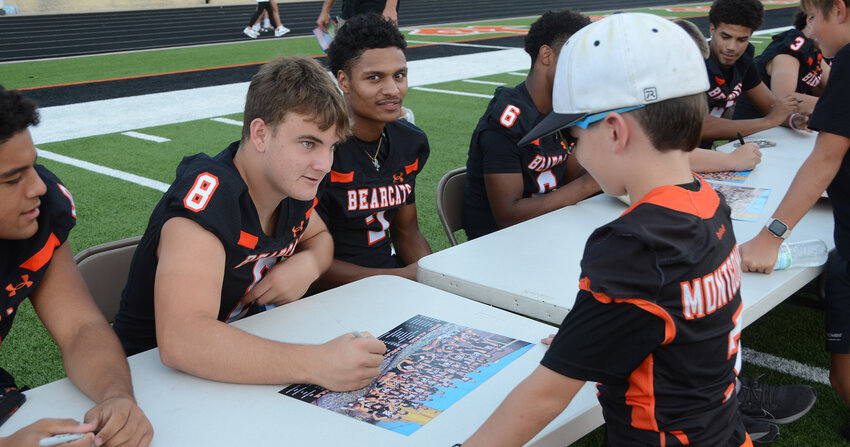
759, 253
548, 340
782, 108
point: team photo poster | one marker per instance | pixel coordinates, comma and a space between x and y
429, 365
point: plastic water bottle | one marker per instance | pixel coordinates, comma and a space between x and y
811, 253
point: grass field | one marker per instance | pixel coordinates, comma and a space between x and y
109, 208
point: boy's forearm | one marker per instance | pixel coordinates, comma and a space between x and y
527, 410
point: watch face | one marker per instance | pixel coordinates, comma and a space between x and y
776, 227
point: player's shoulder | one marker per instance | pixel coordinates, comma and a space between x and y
57, 203
793, 42
207, 186
410, 136
511, 110
406, 130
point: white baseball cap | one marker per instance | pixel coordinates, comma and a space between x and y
620, 63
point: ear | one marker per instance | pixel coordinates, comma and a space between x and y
619, 131
840, 9
259, 134
343, 81
545, 55
711, 29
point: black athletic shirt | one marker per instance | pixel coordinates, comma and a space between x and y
360, 202
657, 321
210, 192
727, 84
831, 116
795, 44
23, 263
493, 149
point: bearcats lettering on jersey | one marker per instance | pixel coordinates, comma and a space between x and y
510, 115
360, 202
210, 192
657, 321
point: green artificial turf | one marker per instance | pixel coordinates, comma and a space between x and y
110, 209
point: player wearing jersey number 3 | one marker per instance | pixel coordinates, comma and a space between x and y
236, 233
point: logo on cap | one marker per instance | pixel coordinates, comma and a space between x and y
650, 94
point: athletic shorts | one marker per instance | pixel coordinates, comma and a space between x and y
838, 306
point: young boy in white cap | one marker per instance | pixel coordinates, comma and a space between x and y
657, 317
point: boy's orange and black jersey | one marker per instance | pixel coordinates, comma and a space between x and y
493, 149
210, 192
23, 263
657, 321
360, 201
795, 44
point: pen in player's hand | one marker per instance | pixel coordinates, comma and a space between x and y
740, 138
60, 439
357, 334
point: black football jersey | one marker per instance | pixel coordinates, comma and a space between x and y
210, 192
795, 44
24, 262
726, 85
493, 149
657, 321
360, 201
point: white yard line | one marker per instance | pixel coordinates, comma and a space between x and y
88, 166
460, 44
786, 366
476, 81
227, 121
118, 115
452, 92
144, 136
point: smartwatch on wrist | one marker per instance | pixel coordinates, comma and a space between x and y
778, 228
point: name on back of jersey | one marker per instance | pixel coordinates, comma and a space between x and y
704, 295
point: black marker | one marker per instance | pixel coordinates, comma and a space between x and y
740, 138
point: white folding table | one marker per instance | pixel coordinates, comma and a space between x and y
189, 411
532, 268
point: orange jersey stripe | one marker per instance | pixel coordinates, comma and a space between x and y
247, 240
702, 203
339, 177
412, 167
40, 259
658, 311
641, 397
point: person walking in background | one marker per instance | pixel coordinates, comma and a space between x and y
270, 8
351, 8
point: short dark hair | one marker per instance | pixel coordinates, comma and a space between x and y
553, 28
675, 123
800, 20
17, 113
361, 33
295, 84
748, 13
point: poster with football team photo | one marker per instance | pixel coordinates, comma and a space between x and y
429, 365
